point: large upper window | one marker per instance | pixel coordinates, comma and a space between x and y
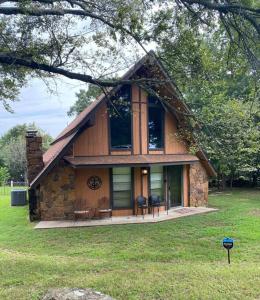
156, 181
122, 187
120, 119
155, 123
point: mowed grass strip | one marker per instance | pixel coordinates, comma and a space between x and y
178, 259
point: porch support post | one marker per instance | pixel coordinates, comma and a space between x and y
185, 185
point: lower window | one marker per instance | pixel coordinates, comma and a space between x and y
156, 181
122, 187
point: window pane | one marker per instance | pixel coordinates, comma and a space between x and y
121, 178
119, 171
155, 124
156, 181
122, 186
120, 119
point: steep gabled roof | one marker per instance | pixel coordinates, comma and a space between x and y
61, 144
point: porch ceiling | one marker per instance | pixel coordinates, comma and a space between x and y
131, 160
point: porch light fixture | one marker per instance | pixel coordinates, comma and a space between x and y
144, 171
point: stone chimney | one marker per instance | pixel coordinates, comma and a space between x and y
33, 154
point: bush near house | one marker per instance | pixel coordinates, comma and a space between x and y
179, 259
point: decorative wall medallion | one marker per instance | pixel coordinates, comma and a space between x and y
94, 182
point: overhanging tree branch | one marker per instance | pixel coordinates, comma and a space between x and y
37, 12
248, 13
222, 7
10, 59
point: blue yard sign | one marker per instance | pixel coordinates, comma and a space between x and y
228, 244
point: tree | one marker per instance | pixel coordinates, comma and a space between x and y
57, 37
221, 90
233, 142
85, 97
4, 175
14, 156
13, 149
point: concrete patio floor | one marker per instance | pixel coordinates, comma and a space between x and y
148, 218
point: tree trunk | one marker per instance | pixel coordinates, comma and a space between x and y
231, 181
223, 185
254, 183
218, 181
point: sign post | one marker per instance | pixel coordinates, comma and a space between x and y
228, 243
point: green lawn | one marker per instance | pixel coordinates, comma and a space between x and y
178, 259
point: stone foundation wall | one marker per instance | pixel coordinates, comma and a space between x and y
57, 194
198, 185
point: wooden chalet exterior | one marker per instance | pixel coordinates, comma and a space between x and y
116, 150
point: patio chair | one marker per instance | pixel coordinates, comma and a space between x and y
104, 207
141, 203
155, 201
81, 210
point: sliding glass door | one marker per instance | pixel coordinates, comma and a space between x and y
174, 186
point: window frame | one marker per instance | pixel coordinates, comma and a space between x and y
162, 129
111, 148
112, 190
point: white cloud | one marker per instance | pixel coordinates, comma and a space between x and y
37, 104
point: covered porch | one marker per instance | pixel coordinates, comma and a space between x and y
114, 183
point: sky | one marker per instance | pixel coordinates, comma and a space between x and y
37, 104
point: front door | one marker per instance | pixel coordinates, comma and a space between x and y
174, 186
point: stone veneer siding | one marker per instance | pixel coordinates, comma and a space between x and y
57, 194
33, 156
198, 185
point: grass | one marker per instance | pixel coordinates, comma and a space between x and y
178, 259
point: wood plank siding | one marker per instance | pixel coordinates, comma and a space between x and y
94, 140
173, 144
144, 122
136, 119
120, 152
156, 151
91, 197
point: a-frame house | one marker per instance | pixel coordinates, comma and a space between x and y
124, 145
